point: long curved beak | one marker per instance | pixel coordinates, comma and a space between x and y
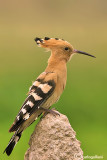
81, 52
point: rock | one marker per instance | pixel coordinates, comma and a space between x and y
54, 139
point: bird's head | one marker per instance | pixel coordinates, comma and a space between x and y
59, 47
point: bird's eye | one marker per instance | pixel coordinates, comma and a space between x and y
66, 48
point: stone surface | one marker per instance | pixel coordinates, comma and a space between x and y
54, 139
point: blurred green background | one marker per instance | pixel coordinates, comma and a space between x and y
83, 23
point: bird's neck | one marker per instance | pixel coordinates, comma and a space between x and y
56, 64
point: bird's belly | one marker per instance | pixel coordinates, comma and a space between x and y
55, 96
53, 99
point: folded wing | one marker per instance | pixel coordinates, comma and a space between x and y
39, 92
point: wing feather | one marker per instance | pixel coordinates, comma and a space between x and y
38, 94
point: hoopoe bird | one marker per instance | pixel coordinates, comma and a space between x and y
47, 88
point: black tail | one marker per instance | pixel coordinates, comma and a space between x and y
13, 141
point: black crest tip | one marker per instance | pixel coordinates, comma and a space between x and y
38, 39
46, 38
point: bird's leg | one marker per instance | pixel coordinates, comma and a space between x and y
46, 111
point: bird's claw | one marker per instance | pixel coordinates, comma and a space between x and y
46, 111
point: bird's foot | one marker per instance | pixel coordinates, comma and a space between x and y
46, 111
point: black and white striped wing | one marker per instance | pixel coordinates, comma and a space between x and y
39, 92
